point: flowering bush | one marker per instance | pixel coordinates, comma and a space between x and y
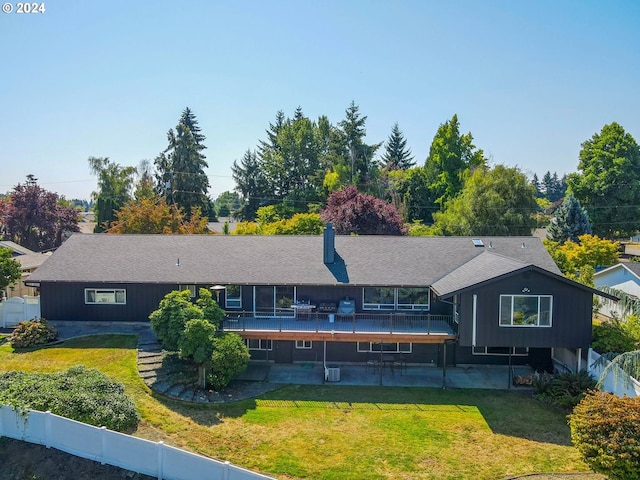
32, 333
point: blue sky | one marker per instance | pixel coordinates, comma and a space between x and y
531, 80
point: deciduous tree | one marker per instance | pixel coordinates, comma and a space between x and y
352, 212
10, 271
114, 190
606, 431
497, 202
152, 215
608, 182
36, 218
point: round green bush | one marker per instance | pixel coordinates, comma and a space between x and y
606, 431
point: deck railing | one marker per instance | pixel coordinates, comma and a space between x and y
391, 322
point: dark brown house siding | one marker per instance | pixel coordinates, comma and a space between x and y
571, 314
66, 302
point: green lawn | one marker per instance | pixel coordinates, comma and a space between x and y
338, 432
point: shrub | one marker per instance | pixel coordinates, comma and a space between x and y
606, 431
33, 333
85, 395
565, 390
614, 336
230, 357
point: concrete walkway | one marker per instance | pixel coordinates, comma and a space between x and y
164, 377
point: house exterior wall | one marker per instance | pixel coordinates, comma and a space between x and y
66, 302
571, 314
619, 278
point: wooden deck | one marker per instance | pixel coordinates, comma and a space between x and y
387, 327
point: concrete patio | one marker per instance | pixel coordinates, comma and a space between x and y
462, 376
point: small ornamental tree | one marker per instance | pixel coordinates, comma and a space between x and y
211, 311
169, 320
606, 431
197, 342
10, 271
230, 357
352, 212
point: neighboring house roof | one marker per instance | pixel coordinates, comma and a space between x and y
17, 249
633, 268
32, 260
277, 260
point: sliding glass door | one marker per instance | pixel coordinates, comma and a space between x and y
273, 301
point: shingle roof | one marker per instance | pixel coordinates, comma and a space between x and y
294, 260
484, 267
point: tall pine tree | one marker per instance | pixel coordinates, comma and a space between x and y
396, 155
250, 184
180, 175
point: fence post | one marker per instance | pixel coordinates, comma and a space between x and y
47, 429
103, 444
227, 467
160, 459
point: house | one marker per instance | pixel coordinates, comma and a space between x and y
435, 300
29, 261
622, 277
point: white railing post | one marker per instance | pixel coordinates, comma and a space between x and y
160, 459
103, 444
227, 467
47, 429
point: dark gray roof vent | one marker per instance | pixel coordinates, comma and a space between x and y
477, 242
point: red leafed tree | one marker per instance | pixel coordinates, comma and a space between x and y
352, 212
36, 218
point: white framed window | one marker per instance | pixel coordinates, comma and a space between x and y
388, 298
525, 310
233, 296
255, 344
515, 351
304, 344
100, 296
191, 288
387, 347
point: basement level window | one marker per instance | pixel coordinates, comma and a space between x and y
116, 296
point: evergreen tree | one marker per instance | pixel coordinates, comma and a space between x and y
360, 154
396, 155
250, 184
569, 222
180, 175
536, 185
271, 143
452, 158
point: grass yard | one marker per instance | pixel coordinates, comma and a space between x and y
338, 432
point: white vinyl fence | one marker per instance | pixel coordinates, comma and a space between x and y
106, 446
18, 309
619, 383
